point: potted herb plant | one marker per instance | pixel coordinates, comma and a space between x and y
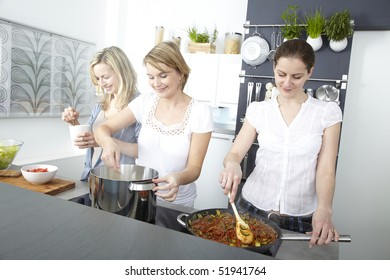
201, 41
314, 26
338, 28
292, 28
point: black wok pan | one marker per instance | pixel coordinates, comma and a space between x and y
184, 219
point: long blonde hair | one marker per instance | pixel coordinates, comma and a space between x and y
168, 53
121, 65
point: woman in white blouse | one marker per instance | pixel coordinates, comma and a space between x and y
175, 131
293, 180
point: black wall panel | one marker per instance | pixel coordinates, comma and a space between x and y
329, 64
367, 15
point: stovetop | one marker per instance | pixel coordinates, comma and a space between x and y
162, 213
167, 218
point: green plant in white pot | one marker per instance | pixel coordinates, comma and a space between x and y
314, 26
201, 41
292, 27
338, 28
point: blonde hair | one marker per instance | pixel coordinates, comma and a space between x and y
168, 53
121, 65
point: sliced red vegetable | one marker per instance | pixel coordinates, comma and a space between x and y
37, 170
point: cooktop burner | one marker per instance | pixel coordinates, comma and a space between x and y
83, 199
166, 217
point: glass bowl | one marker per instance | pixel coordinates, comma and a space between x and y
9, 148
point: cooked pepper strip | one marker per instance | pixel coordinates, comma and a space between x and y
221, 228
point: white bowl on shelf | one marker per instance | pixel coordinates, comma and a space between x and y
31, 174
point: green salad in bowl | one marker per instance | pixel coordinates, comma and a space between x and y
8, 151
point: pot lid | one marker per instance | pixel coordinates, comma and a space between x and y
327, 93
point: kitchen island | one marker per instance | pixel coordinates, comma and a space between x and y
39, 226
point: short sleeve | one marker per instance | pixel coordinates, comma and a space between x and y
332, 114
255, 112
250, 113
137, 106
201, 118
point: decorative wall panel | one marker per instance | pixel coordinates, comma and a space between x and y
42, 73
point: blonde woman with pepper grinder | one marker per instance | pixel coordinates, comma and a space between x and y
115, 78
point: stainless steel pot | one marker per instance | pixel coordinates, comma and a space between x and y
128, 192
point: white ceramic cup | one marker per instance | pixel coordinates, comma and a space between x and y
75, 132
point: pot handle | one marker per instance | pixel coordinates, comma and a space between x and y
304, 237
147, 186
180, 219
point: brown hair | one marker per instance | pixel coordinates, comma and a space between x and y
168, 53
121, 65
296, 48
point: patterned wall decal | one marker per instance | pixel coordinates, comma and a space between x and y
5, 68
71, 83
43, 73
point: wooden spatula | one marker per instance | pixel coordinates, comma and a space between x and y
243, 230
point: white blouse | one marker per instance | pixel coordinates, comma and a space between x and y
284, 175
166, 148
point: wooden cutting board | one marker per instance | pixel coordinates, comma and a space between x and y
52, 187
10, 173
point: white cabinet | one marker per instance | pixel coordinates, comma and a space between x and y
204, 73
214, 78
210, 194
228, 83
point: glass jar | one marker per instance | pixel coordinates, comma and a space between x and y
233, 43
159, 35
177, 40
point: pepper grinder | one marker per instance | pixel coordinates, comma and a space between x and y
159, 35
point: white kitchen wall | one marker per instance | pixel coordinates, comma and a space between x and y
129, 24
48, 138
84, 20
362, 198
138, 20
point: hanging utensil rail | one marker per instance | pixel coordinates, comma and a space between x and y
311, 79
248, 25
267, 25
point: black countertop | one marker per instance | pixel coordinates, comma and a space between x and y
38, 226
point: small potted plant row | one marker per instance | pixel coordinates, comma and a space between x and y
201, 41
338, 27
315, 24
